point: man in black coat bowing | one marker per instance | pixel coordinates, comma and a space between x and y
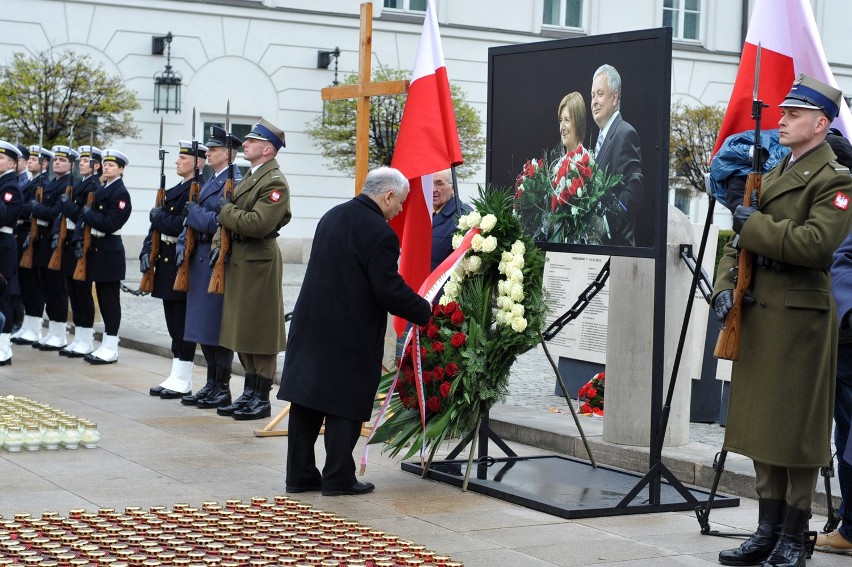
336, 339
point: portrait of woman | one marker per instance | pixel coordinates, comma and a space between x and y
572, 120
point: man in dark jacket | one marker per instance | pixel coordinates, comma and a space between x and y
334, 352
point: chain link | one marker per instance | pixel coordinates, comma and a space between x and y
135, 292
583, 301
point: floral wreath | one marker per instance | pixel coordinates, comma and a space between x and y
492, 310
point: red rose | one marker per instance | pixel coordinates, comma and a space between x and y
437, 346
428, 377
582, 392
432, 331
445, 389
586, 408
457, 318
439, 373
436, 310
597, 411
451, 369
433, 404
585, 159
458, 339
450, 308
591, 392
424, 352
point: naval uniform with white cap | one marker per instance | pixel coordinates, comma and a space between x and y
52, 282
168, 220
31, 296
253, 308
782, 386
24, 178
203, 309
105, 263
79, 293
10, 208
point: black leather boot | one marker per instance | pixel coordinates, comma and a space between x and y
259, 406
757, 548
221, 394
192, 399
244, 399
790, 549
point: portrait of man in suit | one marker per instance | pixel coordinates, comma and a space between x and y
617, 151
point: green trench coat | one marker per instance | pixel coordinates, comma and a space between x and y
782, 387
253, 308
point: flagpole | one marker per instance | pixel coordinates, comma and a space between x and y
456, 190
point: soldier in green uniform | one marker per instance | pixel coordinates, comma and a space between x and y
782, 387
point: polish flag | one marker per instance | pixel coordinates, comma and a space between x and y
427, 142
790, 45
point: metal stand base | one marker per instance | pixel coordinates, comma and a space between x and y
563, 486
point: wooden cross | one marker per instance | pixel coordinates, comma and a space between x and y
363, 90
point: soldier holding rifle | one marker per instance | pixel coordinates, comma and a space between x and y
79, 292
51, 282
253, 309
204, 310
31, 296
782, 388
10, 208
168, 220
104, 259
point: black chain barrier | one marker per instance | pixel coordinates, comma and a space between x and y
583, 301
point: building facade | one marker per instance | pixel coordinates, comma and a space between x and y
261, 55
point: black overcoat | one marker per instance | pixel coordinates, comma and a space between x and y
110, 210
336, 339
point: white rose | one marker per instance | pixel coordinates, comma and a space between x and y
517, 261
502, 287
517, 310
463, 223
476, 242
502, 318
444, 300
502, 267
517, 292
489, 244
519, 324
451, 289
473, 219
503, 302
518, 248
458, 273
474, 263
506, 256
457, 240
515, 275
489, 221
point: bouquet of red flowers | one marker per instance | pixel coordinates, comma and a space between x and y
593, 394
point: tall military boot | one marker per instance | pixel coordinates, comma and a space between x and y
248, 393
757, 548
259, 406
221, 394
192, 399
790, 549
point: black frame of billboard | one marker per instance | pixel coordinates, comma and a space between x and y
511, 141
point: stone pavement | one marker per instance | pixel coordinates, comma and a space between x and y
158, 452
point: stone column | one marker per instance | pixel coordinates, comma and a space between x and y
627, 400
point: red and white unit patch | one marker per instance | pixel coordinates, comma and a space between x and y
7, 197
121, 205
841, 201
275, 196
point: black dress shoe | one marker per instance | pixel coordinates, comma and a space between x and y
167, 394
296, 489
355, 489
156, 390
92, 359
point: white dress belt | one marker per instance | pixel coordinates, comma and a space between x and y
169, 239
42, 222
6, 229
98, 234
69, 224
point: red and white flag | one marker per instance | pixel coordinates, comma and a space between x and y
790, 45
427, 142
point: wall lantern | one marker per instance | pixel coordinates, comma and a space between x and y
166, 82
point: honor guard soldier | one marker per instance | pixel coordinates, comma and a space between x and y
169, 220
10, 208
24, 175
781, 405
253, 308
31, 296
79, 292
105, 264
51, 282
203, 309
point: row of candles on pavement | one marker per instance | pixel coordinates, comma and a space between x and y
30, 425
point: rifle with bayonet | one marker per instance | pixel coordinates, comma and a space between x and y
182, 277
27, 257
147, 283
217, 279
55, 262
728, 343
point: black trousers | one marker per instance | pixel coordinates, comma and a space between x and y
216, 355
110, 303
175, 313
341, 436
51, 283
30, 292
82, 302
